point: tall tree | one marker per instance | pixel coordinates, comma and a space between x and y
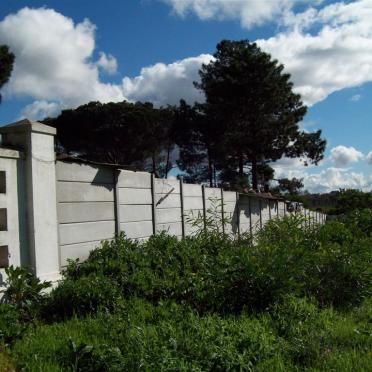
291, 186
6, 65
252, 100
133, 135
196, 138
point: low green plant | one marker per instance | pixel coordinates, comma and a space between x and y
24, 291
85, 295
11, 325
213, 220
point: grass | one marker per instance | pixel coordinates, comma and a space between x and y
298, 299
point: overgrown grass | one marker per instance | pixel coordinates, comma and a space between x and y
297, 298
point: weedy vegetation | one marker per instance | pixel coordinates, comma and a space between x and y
297, 297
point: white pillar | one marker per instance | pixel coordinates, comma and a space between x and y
36, 140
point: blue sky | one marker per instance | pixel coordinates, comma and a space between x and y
71, 52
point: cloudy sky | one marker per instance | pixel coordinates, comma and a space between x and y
71, 52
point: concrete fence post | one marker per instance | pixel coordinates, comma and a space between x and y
153, 204
238, 213
222, 212
204, 208
36, 140
260, 207
250, 216
116, 174
182, 207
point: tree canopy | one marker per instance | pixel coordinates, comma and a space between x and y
130, 134
249, 120
6, 65
254, 110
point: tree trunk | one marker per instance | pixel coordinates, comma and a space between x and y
241, 165
254, 175
154, 165
167, 163
210, 168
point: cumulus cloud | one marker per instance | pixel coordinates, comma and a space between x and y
325, 50
334, 178
342, 156
325, 180
54, 65
369, 158
249, 12
54, 58
54, 55
355, 98
107, 63
40, 110
167, 83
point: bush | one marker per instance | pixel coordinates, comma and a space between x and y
214, 273
24, 291
11, 326
85, 295
145, 337
212, 303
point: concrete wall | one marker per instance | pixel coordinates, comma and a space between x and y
10, 253
86, 213
52, 211
135, 204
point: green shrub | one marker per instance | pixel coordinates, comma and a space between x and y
145, 337
360, 221
335, 232
11, 326
24, 291
212, 303
85, 295
214, 273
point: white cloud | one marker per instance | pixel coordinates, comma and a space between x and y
107, 63
54, 58
249, 12
324, 180
54, 55
369, 158
337, 55
334, 178
355, 98
342, 156
41, 109
166, 84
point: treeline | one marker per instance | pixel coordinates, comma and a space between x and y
338, 202
249, 119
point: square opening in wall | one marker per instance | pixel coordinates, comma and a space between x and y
4, 256
3, 220
2, 182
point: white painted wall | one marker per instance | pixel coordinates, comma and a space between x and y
9, 234
58, 210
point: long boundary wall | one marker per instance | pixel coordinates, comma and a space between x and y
52, 211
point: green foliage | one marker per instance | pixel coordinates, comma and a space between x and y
290, 186
213, 221
85, 295
297, 297
253, 108
6, 65
130, 134
350, 200
145, 337
11, 326
293, 335
24, 291
360, 221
